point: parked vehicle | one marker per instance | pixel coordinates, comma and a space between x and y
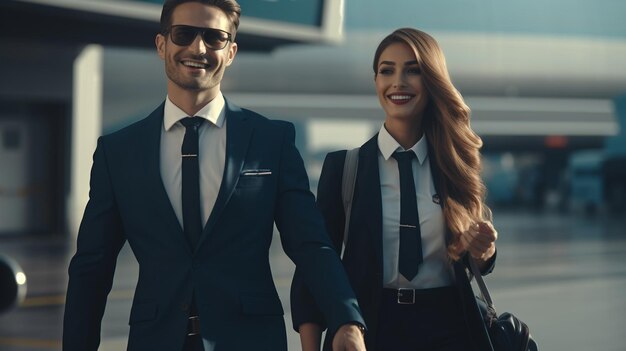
597, 180
12, 284
585, 180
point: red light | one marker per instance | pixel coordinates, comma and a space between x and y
555, 142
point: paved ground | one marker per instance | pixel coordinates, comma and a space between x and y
565, 275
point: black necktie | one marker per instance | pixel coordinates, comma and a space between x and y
192, 219
410, 235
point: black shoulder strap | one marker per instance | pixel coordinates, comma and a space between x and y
348, 180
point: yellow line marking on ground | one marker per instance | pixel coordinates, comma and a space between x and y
43, 301
56, 300
53, 300
33, 343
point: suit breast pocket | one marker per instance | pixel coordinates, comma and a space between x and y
254, 178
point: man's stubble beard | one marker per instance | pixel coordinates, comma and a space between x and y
194, 85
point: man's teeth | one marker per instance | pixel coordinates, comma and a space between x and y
400, 97
194, 64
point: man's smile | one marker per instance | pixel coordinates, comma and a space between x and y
195, 64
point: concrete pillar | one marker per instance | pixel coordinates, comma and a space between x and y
86, 128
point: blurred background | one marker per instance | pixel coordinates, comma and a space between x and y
546, 81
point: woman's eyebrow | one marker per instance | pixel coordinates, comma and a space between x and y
387, 63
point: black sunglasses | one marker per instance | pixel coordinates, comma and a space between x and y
215, 39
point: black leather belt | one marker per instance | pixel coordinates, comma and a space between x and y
406, 296
193, 326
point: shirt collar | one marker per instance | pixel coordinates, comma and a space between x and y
388, 145
213, 112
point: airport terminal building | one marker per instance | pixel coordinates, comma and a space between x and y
75, 69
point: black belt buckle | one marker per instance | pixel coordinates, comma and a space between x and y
193, 326
406, 296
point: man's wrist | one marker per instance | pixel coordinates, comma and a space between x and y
360, 326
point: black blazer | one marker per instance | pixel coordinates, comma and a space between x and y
363, 256
229, 271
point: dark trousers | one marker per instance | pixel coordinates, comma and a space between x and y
193, 343
435, 322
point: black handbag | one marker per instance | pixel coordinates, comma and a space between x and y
506, 332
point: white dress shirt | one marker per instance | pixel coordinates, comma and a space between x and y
435, 271
211, 156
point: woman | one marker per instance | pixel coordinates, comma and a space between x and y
408, 267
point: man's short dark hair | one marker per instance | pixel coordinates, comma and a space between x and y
230, 7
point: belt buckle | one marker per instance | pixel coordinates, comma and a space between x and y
193, 328
403, 299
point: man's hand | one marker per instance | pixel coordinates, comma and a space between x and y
348, 338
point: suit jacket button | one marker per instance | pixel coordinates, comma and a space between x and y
185, 307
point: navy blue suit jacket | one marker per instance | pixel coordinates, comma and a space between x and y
363, 255
229, 271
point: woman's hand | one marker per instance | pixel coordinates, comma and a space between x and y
310, 336
479, 240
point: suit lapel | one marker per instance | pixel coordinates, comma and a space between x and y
438, 182
436, 174
238, 134
151, 151
368, 190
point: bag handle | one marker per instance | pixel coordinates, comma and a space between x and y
348, 181
484, 291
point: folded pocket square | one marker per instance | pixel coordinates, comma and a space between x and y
256, 172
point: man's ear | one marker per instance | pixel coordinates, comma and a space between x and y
232, 51
159, 41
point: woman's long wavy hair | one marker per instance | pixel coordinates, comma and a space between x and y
447, 127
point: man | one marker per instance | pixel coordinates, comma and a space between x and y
197, 199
